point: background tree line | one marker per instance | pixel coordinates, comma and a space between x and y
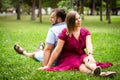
92, 7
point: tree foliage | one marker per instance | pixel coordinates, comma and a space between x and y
4, 5
50, 3
65, 5
79, 5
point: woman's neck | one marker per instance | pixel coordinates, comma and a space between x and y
77, 28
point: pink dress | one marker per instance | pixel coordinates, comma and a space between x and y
73, 53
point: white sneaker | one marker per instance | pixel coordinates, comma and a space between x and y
108, 74
41, 46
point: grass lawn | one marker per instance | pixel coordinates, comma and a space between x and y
28, 34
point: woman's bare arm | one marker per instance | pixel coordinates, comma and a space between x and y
56, 52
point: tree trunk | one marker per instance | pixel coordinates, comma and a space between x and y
109, 11
18, 11
82, 8
100, 10
93, 8
40, 12
0, 5
33, 10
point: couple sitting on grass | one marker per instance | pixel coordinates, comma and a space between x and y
65, 47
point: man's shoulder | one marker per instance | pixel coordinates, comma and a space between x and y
58, 26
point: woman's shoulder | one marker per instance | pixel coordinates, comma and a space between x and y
62, 35
84, 30
64, 30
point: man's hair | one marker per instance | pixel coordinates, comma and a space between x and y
60, 13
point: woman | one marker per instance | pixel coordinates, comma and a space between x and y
71, 46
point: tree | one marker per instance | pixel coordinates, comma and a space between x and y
66, 4
17, 5
32, 4
4, 5
115, 6
92, 7
51, 3
77, 3
40, 13
18, 11
101, 10
108, 12
0, 5
82, 7
33, 10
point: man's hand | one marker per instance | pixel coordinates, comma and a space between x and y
43, 68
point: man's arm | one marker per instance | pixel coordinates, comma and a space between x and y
47, 52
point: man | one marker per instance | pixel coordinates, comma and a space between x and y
57, 19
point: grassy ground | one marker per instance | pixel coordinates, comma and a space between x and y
27, 33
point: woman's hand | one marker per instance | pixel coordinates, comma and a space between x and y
91, 58
43, 68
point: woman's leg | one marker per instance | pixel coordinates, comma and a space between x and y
90, 62
84, 69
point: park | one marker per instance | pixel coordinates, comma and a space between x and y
29, 33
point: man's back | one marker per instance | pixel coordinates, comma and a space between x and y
53, 33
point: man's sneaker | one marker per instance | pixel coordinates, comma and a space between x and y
41, 46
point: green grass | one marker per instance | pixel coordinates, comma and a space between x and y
28, 34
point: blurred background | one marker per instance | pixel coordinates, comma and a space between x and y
26, 22
37, 8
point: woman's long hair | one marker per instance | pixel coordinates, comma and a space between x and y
70, 21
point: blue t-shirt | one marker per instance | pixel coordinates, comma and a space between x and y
52, 36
